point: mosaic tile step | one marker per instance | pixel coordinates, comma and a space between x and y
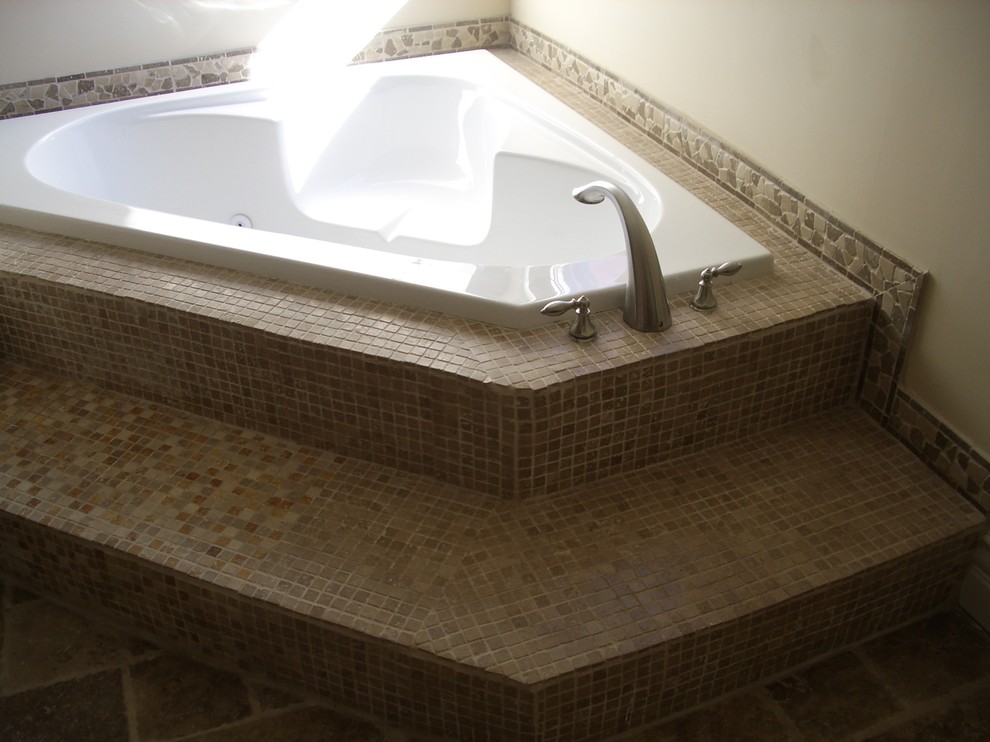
516, 413
463, 614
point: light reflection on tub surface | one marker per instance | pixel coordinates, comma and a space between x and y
442, 183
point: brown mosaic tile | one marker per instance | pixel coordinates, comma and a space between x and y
447, 609
474, 404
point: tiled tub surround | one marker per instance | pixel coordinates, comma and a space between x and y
500, 411
606, 596
896, 285
567, 617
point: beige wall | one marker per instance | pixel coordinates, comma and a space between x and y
879, 111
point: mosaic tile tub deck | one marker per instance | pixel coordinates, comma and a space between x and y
566, 617
517, 413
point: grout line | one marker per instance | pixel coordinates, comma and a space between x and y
793, 730
880, 676
5, 588
920, 710
130, 703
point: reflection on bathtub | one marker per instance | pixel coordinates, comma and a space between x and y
441, 183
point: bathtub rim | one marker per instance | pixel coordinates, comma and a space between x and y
391, 277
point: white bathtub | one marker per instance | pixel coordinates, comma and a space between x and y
442, 183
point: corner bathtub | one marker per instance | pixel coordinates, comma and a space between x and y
442, 183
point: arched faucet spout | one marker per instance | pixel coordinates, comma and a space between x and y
646, 307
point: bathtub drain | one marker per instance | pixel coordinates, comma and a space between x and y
241, 220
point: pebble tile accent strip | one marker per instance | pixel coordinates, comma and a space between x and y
469, 613
944, 451
845, 249
420, 41
153, 78
104, 86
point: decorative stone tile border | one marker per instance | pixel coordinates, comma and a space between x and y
105, 86
838, 244
940, 448
437, 39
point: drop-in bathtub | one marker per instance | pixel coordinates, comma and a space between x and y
441, 182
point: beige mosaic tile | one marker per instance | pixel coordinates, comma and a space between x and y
555, 594
512, 412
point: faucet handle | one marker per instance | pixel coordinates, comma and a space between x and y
582, 329
726, 269
704, 299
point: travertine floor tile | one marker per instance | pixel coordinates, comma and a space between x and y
965, 721
48, 642
89, 709
174, 697
308, 724
746, 717
932, 657
833, 698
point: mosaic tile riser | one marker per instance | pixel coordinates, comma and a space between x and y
416, 692
472, 617
508, 441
